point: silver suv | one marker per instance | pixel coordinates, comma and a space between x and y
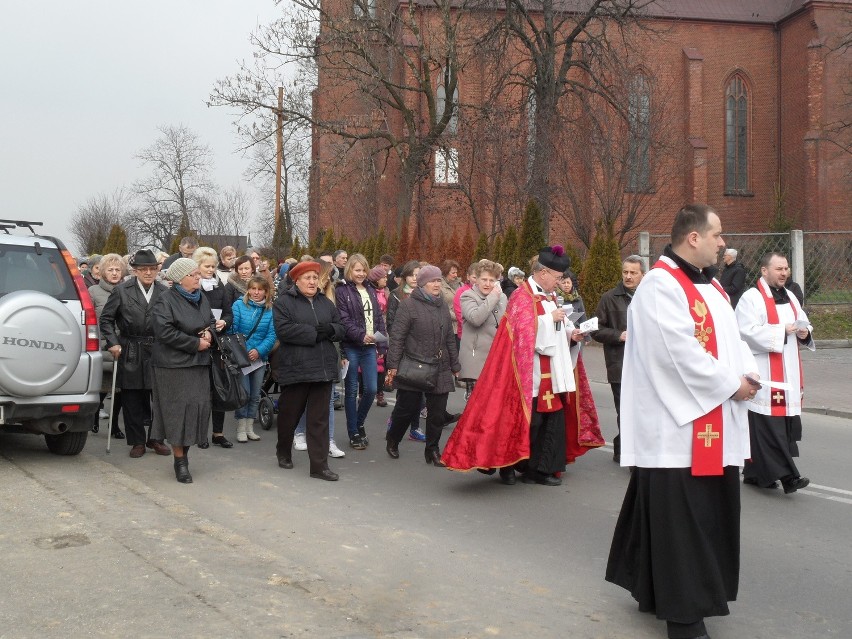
50, 358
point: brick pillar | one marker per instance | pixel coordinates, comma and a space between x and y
814, 205
696, 161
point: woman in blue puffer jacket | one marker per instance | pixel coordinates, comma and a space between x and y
253, 318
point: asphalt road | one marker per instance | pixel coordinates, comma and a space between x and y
106, 546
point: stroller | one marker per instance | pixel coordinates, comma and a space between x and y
268, 407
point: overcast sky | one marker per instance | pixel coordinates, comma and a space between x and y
86, 83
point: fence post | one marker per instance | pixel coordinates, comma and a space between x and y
645, 248
798, 249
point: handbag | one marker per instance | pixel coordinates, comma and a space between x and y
418, 372
235, 345
226, 381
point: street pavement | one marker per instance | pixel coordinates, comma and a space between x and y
103, 545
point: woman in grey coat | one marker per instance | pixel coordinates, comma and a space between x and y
482, 308
422, 328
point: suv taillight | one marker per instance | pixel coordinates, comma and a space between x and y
93, 342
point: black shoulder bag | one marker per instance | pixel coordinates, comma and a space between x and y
420, 372
226, 378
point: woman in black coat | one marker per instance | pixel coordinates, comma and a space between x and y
307, 323
422, 328
181, 364
219, 298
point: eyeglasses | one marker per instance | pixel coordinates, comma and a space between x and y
146, 269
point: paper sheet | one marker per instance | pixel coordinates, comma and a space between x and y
589, 325
344, 368
217, 313
253, 367
380, 338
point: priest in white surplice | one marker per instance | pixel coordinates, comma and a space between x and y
684, 427
773, 324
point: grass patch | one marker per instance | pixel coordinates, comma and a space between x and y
832, 323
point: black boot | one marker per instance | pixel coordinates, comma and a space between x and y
434, 457
182, 470
363, 434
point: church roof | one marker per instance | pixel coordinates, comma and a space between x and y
743, 11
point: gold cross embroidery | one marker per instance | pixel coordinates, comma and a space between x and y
548, 397
708, 435
778, 397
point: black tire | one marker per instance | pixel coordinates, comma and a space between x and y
70, 443
265, 413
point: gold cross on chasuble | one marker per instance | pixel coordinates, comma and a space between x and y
548, 397
708, 435
778, 397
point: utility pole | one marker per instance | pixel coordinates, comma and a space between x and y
279, 155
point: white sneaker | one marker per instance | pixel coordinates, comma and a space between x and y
334, 451
299, 442
103, 414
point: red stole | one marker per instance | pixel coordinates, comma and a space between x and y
547, 401
777, 397
707, 430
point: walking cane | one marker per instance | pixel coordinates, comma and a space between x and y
112, 401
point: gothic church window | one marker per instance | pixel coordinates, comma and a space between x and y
365, 8
639, 141
736, 136
447, 166
441, 100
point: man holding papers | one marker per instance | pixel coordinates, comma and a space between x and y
519, 417
684, 427
773, 324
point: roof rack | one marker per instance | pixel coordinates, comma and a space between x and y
6, 227
10, 224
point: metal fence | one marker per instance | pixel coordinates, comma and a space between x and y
821, 261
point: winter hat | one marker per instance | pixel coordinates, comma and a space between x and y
427, 274
376, 273
297, 270
180, 268
553, 257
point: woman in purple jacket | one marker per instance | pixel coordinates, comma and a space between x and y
362, 318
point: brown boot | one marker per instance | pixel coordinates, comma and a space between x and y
380, 399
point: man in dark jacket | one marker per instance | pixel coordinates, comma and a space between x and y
733, 277
126, 328
307, 323
612, 333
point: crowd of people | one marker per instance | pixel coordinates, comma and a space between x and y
700, 388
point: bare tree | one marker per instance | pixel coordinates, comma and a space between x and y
384, 63
92, 221
565, 50
615, 172
226, 214
179, 182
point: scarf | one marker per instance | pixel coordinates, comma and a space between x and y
208, 284
235, 281
195, 297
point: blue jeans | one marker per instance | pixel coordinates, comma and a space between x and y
303, 420
252, 383
363, 357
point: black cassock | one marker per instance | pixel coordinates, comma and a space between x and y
676, 546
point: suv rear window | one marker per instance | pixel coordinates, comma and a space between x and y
24, 269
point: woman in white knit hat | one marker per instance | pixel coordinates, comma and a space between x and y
181, 319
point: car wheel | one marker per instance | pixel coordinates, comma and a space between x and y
70, 443
265, 413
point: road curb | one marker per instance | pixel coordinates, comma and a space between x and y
829, 411
833, 343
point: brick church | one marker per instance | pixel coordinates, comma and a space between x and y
737, 103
